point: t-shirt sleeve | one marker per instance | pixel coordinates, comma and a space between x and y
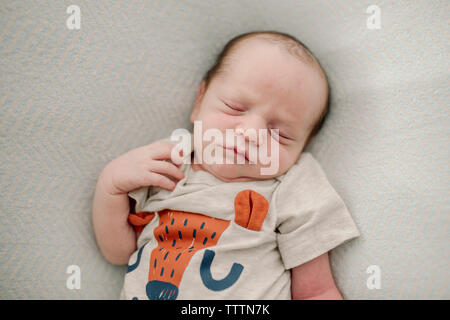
312, 218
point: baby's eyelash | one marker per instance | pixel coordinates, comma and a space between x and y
270, 131
235, 109
281, 135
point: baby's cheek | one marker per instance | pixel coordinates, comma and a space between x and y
218, 121
285, 158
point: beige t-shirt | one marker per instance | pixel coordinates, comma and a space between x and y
210, 239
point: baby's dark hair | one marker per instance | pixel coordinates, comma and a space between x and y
287, 42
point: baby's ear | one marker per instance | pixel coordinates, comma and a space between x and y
198, 101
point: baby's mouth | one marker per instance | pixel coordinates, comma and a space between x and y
240, 153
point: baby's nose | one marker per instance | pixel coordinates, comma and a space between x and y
251, 131
251, 135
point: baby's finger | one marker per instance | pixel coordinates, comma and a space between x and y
156, 179
167, 168
162, 150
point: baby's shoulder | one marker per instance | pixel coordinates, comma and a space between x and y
306, 164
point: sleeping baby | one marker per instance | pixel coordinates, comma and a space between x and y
238, 210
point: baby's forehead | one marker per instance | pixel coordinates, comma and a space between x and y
265, 42
263, 73
265, 61
268, 74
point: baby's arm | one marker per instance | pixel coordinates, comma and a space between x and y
313, 281
140, 167
116, 238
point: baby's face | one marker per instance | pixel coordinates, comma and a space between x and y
262, 88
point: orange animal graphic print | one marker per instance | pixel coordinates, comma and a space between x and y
182, 234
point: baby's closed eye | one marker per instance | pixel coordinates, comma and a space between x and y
233, 108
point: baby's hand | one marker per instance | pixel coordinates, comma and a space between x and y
141, 167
